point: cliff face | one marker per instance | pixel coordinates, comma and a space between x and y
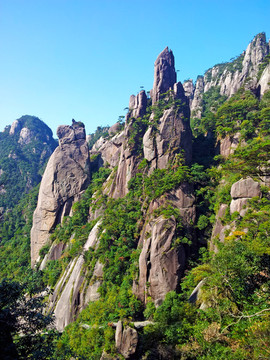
158, 134
67, 174
229, 77
144, 220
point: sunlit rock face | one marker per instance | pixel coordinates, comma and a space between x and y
230, 77
66, 176
164, 74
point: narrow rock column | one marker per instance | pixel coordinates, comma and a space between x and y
66, 176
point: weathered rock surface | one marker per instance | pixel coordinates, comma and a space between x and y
264, 82
71, 295
114, 129
233, 75
161, 263
126, 340
241, 192
173, 134
54, 253
196, 102
245, 188
239, 205
66, 176
189, 89
26, 136
137, 105
228, 145
15, 127
109, 149
164, 74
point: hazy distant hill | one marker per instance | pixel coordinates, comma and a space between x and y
25, 147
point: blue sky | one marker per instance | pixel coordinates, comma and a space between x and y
82, 59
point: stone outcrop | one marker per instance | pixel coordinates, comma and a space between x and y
228, 145
264, 82
173, 133
15, 127
71, 294
196, 101
245, 188
161, 262
241, 191
137, 105
26, 136
66, 176
229, 77
126, 340
189, 90
164, 74
54, 253
109, 149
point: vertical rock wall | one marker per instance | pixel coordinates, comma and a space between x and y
66, 176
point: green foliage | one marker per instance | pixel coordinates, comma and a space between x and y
15, 235
101, 131
22, 163
232, 114
159, 181
23, 325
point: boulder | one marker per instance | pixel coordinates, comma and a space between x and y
114, 129
239, 205
245, 188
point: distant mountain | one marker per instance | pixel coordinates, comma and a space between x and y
25, 147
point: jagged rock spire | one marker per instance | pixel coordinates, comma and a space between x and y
164, 75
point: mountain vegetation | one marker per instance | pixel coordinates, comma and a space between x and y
140, 273
24, 151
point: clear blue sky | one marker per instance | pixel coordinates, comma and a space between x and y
82, 59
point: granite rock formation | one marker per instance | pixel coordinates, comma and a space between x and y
71, 294
161, 264
164, 74
241, 191
229, 77
66, 176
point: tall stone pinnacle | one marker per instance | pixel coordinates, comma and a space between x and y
165, 75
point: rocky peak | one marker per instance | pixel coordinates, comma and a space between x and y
164, 74
255, 53
15, 127
66, 176
231, 76
137, 105
189, 88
